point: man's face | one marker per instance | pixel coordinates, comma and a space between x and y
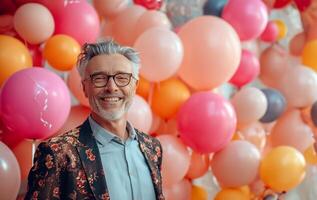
110, 102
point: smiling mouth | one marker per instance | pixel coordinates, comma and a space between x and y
111, 99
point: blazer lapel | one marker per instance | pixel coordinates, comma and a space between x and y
91, 161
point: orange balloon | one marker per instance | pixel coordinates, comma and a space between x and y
144, 87
168, 127
283, 168
168, 97
297, 43
61, 52
199, 164
309, 54
282, 29
199, 193
14, 56
311, 155
75, 86
231, 194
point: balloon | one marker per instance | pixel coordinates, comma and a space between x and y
281, 3
78, 114
110, 9
275, 107
9, 174
124, 24
313, 113
212, 52
298, 85
140, 114
227, 193
214, 7
302, 5
174, 151
248, 19
250, 105
270, 32
199, 164
36, 53
156, 122
61, 45
7, 26
14, 56
163, 61
254, 134
290, 130
283, 168
39, 109
236, 164
7, 6
199, 193
168, 96
308, 54
274, 63
206, 122
282, 29
248, 70
168, 127
310, 155
180, 190
34, 23
75, 86
150, 4
144, 87
78, 20
296, 45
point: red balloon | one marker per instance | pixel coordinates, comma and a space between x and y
281, 3
150, 4
37, 57
302, 4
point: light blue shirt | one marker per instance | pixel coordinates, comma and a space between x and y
127, 173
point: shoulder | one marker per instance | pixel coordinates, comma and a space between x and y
149, 140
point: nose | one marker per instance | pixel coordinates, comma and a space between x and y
111, 85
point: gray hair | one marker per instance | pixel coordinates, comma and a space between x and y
107, 47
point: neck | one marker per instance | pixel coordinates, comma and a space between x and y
117, 127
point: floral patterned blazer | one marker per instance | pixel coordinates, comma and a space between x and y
69, 167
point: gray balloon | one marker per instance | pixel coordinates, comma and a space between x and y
313, 113
276, 104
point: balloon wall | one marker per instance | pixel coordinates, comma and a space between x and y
227, 86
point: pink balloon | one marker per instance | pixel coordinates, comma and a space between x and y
212, 52
110, 9
206, 122
78, 20
179, 191
163, 61
35, 103
270, 32
75, 86
140, 114
10, 174
174, 151
237, 164
248, 19
248, 69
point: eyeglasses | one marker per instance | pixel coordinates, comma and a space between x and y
101, 80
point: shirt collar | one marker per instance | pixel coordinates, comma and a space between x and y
104, 136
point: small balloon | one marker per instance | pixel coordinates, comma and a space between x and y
276, 105
214, 7
150, 4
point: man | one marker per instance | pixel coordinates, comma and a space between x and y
105, 157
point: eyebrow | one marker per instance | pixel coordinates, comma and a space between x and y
104, 73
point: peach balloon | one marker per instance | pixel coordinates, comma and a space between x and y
14, 56
296, 45
150, 19
156, 122
250, 105
298, 85
75, 86
255, 134
34, 23
273, 62
174, 151
140, 114
178, 191
199, 164
228, 193
290, 130
236, 164
212, 52
161, 53
168, 97
168, 127
63, 45
124, 24
110, 8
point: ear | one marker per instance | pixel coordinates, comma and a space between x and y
84, 88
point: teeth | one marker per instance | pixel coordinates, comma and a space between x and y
111, 99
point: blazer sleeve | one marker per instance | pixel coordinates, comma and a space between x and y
44, 180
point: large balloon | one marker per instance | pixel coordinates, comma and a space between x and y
212, 52
9, 174
206, 122
283, 168
14, 56
248, 19
276, 105
37, 110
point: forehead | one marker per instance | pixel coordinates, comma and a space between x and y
109, 64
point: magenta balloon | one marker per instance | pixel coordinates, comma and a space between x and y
10, 174
78, 20
249, 19
248, 70
206, 122
35, 103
